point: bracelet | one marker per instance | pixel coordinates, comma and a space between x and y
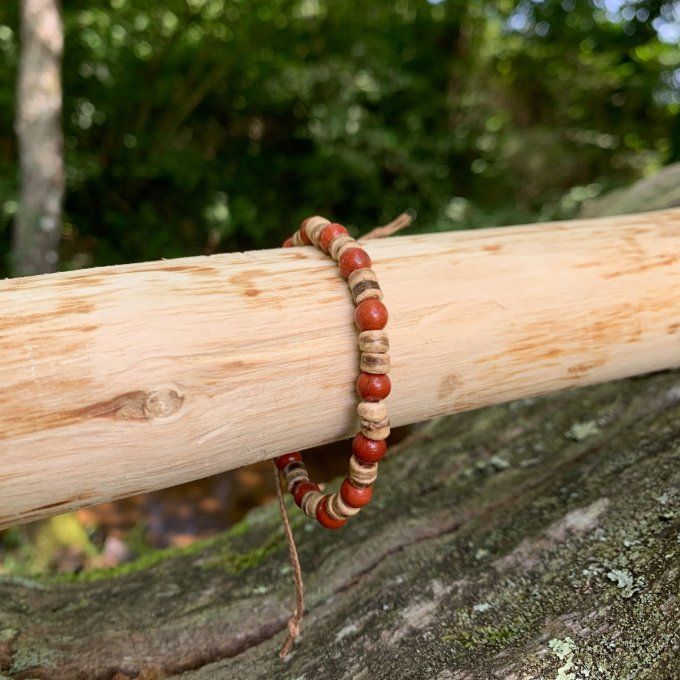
373, 384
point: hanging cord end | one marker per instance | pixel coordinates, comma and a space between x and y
296, 617
400, 222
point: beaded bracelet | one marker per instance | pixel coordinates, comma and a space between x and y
373, 385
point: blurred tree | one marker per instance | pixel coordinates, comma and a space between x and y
37, 227
201, 125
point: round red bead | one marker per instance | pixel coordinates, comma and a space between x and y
353, 258
371, 315
355, 496
304, 238
328, 233
373, 387
325, 520
287, 459
288, 243
367, 450
301, 489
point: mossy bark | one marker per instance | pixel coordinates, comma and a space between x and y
510, 542
538, 539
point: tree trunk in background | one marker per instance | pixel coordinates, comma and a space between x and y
38, 225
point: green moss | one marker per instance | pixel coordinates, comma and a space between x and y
487, 636
153, 558
234, 562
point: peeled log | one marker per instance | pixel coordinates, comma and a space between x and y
121, 380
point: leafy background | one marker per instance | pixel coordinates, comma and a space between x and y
197, 126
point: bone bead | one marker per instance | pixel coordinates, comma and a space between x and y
313, 227
332, 510
374, 342
342, 508
376, 431
362, 475
372, 411
294, 476
375, 363
310, 503
337, 243
363, 283
297, 239
375, 423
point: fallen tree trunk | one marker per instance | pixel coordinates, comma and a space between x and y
504, 543
538, 539
121, 380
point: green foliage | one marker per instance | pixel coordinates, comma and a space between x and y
201, 125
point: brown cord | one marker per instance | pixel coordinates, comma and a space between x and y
397, 224
296, 618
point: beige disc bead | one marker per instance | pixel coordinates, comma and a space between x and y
310, 502
363, 283
375, 363
341, 508
360, 474
340, 242
332, 510
374, 342
376, 431
295, 476
313, 227
374, 421
372, 411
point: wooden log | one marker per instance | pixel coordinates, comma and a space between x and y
120, 380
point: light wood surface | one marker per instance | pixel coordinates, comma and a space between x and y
120, 380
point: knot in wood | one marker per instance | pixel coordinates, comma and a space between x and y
162, 403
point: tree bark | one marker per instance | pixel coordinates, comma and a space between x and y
37, 228
504, 543
537, 539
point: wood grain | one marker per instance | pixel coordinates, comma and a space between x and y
119, 380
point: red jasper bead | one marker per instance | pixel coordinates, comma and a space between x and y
371, 315
367, 450
288, 243
355, 496
303, 236
325, 520
328, 233
301, 489
373, 387
287, 459
353, 258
